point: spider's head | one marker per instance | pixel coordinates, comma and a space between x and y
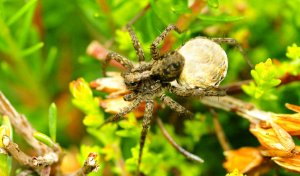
168, 68
130, 83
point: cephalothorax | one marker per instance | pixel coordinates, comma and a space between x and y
195, 69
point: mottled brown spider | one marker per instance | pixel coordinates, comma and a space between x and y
150, 80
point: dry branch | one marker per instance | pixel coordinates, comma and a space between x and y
46, 156
90, 165
21, 125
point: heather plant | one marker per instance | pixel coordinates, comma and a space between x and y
54, 97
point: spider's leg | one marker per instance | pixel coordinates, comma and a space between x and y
138, 77
136, 44
117, 57
123, 112
176, 106
154, 46
196, 92
233, 42
143, 66
146, 125
181, 150
130, 96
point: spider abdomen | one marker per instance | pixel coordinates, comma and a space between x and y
205, 66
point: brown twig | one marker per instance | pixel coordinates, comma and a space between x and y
244, 109
21, 125
181, 150
90, 165
47, 156
220, 132
40, 164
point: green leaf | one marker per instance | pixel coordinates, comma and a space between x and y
25, 34
21, 12
293, 52
4, 164
221, 18
32, 49
213, 3
265, 79
43, 138
49, 64
52, 121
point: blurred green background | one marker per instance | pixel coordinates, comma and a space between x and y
43, 48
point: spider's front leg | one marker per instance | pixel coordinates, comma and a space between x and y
123, 112
233, 42
176, 106
154, 46
146, 125
117, 57
136, 44
196, 92
130, 96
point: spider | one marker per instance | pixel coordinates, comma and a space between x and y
170, 72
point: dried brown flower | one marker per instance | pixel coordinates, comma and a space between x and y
243, 159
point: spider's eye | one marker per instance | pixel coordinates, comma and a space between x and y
175, 65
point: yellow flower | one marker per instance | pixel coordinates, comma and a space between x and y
274, 139
235, 172
243, 159
80, 89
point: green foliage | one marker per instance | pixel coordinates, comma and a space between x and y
84, 100
43, 45
293, 52
265, 79
24, 10
44, 139
221, 18
5, 159
52, 121
213, 3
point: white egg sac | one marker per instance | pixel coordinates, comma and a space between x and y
205, 65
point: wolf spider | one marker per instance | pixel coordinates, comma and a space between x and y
150, 80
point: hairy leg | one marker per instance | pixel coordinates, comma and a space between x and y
117, 57
180, 91
176, 106
133, 77
136, 44
130, 96
154, 46
233, 42
146, 125
143, 66
123, 112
